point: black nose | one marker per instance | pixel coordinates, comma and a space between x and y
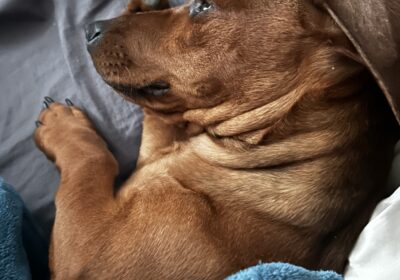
95, 30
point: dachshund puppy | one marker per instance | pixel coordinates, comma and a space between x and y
265, 139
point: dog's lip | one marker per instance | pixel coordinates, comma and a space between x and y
155, 89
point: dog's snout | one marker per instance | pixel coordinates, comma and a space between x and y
94, 31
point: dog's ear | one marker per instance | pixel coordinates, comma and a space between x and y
373, 26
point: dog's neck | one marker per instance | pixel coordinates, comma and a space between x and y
295, 127
321, 144
324, 74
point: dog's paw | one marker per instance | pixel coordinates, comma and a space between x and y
64, 133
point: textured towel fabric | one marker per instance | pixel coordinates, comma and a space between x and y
283, 271
23, 249
13, 259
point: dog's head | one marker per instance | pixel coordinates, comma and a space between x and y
214, 60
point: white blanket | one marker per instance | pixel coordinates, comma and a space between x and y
376, 255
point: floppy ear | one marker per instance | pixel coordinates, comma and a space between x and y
373, 26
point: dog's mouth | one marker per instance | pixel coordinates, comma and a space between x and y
154, 89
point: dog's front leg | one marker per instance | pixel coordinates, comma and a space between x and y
159, 136
84, 201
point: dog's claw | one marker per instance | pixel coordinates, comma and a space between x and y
38, 123
69, 102
49, 100
45, 105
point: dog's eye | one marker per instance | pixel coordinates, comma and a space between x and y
199, 6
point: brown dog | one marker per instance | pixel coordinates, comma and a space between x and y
265, 139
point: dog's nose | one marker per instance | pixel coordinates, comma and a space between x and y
94, 31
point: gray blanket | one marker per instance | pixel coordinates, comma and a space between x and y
43, 53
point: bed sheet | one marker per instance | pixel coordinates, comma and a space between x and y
43, 53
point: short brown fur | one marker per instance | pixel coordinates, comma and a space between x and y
273, 144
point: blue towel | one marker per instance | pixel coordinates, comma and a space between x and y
283, 271
23, 250
13, 259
